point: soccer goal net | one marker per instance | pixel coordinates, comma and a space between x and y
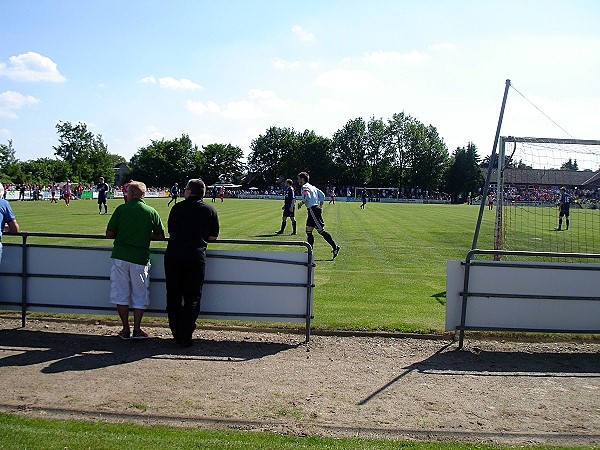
533, 211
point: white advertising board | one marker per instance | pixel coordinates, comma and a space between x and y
244, 285
566, 298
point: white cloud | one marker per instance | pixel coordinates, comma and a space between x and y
4, 133
281, 64
304, 35
150, 79
31, 66
196, 107
345, 80
182, 83
242, 110
11, 101
171, 83
207, 138
201, 108
267, 98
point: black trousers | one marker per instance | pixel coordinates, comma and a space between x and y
184, 280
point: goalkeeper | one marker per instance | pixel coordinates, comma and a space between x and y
564, 204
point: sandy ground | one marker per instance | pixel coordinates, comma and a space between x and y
492, 391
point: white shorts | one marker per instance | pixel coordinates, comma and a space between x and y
130, 284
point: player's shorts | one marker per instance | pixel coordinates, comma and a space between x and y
564, 212
67, 196
130, 284
314, 218
101, 199
287, 212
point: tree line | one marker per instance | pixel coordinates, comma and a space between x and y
400, 152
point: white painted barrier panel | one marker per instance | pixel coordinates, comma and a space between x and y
245, 285
568, 297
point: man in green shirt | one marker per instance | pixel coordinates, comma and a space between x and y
133, 225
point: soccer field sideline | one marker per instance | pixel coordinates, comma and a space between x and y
390, 274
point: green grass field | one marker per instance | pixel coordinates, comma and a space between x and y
32, 433
390, 274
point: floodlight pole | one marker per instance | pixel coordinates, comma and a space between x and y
486, 186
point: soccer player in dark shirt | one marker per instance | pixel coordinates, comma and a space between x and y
102, 189
289, 207
564, 204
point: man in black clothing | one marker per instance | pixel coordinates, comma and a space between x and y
363, 196
102, 189
174, 194
564, 204
191, 225
289, 207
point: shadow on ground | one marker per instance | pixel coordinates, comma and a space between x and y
477, 362
76, 352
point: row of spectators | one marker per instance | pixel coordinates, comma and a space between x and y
587, 198
35, 191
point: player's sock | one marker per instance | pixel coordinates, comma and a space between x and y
283, 224
310, 238
294, 227
567, 224
329, 239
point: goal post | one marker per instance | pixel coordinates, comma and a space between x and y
525, 185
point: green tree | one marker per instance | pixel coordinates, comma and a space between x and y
45, 171
570, 165
10, 170
397, 142
311, 154
464, 174
349, 152
380, 155
268, 154
427, 155
222, 160
7, 154
86, 154
164, 162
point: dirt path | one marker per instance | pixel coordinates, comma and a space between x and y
344, 386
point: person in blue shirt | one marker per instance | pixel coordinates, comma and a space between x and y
564, 203
8, 222
313, 198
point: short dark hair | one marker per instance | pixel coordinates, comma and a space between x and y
304, 175
196, 187
289, 181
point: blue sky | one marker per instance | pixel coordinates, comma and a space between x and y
224, 71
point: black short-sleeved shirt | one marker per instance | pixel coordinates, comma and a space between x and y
102, 189
190, 224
